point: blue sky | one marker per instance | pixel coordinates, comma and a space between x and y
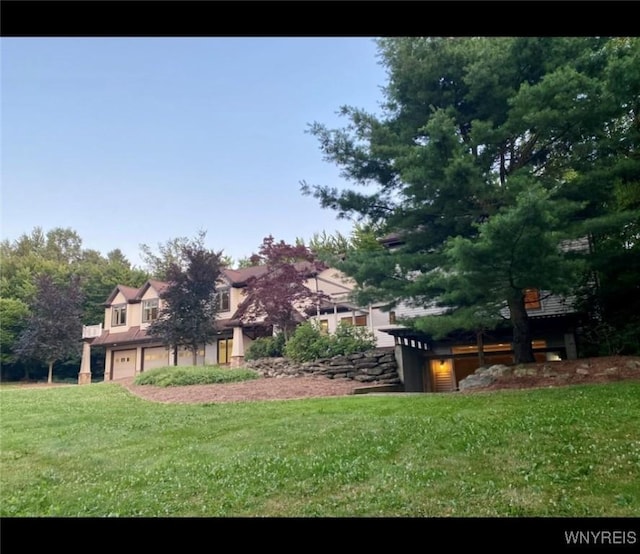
140, 140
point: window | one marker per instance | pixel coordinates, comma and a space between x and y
361, 321
532, 299
119, 315
224, 300
149, 310
324, 326
392, 317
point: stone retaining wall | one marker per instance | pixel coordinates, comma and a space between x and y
376, 366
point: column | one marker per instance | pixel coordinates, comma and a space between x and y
237, 350
84, 377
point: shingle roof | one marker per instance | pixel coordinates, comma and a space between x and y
133, 334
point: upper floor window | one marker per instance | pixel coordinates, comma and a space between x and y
119, 315
150, 310
360, 320
224, 300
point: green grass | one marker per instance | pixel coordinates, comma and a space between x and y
173, 376
97, 450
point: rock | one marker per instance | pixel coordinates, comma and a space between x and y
498, 370
524, 371
582, 371
476, 381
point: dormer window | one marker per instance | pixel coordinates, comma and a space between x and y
119, 315
150, 310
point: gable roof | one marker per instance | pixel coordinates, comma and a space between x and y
159, 286
129, 294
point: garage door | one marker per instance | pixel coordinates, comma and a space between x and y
158, 356
124, 364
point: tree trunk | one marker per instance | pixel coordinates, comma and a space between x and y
50, 378
194, 353
522, 349
480, 343
175, 355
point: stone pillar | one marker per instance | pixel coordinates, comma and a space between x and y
84, 377
237, 350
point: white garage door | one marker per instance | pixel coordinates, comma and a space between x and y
124, 364
158, 356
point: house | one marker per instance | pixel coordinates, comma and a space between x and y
130, 350
429, 365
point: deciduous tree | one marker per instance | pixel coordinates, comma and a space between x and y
278, 295
190, 304
54, 328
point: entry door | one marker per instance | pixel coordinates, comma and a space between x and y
442, 376
224, 350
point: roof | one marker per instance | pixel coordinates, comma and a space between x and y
133, 334
129, 293
239, 277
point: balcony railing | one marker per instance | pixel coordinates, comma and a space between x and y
91, 331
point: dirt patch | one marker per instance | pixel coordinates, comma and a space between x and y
263, 388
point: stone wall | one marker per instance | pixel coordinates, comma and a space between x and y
374, 367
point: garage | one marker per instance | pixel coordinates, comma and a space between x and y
123, 364
156, 356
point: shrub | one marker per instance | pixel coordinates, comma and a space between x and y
309, 343
173, 376
349, 339
266, 347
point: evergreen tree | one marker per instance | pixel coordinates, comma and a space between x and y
469, 125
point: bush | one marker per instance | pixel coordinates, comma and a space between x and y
349, 339
309, 343
266, 347
173, 376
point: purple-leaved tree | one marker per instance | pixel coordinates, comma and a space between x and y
279, 294
54, 328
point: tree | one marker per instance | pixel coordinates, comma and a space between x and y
190, 303
279, 293
13, 319
469, 125
332, 248
54, 328
171, 253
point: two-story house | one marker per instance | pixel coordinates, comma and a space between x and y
129, 312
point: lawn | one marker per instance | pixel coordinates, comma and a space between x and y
97, 450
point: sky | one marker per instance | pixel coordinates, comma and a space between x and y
132, 141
